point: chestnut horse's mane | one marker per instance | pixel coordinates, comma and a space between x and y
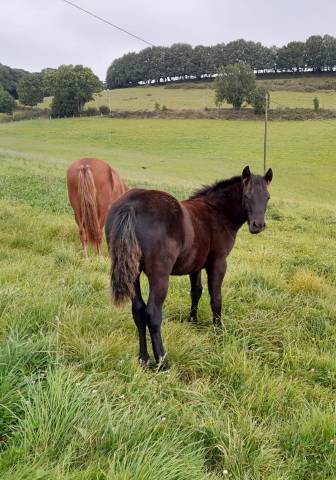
216, 187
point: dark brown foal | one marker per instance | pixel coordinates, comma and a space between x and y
150, 231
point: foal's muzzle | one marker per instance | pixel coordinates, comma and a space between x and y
256, 227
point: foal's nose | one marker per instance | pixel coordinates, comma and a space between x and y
259, 226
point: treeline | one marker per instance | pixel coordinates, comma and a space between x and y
9, 79
181, 61
71, 87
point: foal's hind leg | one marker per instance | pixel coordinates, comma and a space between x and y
158, 291
139, 316
196, 292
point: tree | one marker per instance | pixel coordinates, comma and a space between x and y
72, 87
315, 53
291, 57
7, 102
9, 78
235, 84
30, 89
329, 46
202, 61
47, 75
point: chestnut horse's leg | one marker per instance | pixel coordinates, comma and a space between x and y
84, 239
158, 290
102, 221
99, 244
196, 292
82, 233
216, 271
139, 316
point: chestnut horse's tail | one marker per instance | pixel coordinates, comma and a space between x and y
125, 254
88, 203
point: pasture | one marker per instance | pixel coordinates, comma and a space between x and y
285, 93
253, 401
145, 98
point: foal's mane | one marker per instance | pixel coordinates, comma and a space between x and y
217, 187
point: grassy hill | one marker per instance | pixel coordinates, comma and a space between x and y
285, 92
253, 401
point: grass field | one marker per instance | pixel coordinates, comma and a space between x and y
254, 401
285, 93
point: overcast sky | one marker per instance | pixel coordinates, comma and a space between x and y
35, 34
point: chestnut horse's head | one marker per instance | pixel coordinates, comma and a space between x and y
255, 198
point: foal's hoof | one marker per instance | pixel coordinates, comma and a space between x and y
144, 363
163, 366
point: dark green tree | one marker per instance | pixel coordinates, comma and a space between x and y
219, 56
291, 57
329, 46
9, 79
125, 71
235, 84
30, 89
72, 87
47, 75
203, 61
315, 53
7, 102
180, 61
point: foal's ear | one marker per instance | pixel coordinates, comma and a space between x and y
246, 174
268, 176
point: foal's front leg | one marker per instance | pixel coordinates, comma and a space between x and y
216, 272
195, 293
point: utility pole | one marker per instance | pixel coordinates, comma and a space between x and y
267, 102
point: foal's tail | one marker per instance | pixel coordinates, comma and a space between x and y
125, 254
88, 203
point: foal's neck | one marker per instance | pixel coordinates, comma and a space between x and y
228, 205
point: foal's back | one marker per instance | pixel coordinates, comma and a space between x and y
169, 232
158, 214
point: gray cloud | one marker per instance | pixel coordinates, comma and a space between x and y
46, 33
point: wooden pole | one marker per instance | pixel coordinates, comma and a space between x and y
267, 101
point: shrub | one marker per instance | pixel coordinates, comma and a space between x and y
104, 110
156, 106
91, 111
316, 104
258, 100
164, 108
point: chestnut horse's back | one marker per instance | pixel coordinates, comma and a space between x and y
93, 185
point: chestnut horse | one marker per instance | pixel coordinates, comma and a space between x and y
93, 186
150, 231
